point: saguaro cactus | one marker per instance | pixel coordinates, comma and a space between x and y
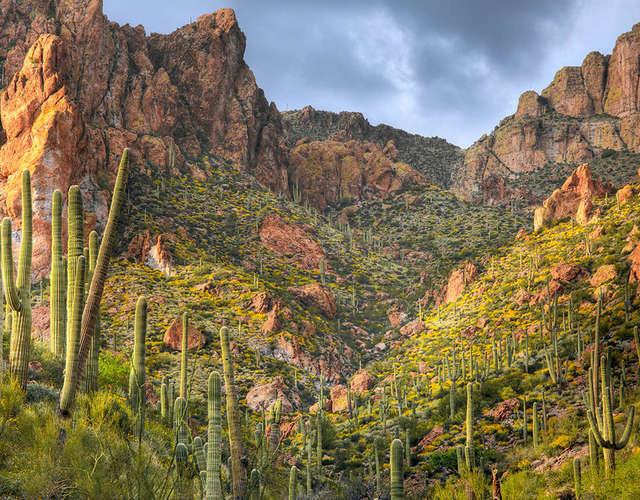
18, 293
92, 305
75, 246
214, 439
468, 449
238, 479
57, 296
184, 355
137, 371
293, 483
274, 436
536, 426
577, 477
601, 420
73, 330
395, 463
91, 373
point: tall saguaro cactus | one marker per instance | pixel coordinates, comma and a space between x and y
213, 490
91, 373
601, 420
18, 293
137, 371
184, 353
468, 449
75, 246
92, 305
73, 330
233, 418
395, 463
57, 299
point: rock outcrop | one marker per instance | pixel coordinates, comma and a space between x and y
459, 280
585, 111
329, 171
574, 199
263, 396
292, 241
318, 296
173, 336
78, 89
433, 157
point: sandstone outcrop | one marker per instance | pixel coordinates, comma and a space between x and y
573, 200
78, 89
318, 296
292, 241
459, 280
152, 251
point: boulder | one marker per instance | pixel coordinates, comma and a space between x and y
291, 241
624, 194
573, 200
173, 336
339, 399
603, 274
263, 396
318, 296
361, 381
459, 280
565, 272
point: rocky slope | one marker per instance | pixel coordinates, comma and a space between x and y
587, 111
78, 89
433, 157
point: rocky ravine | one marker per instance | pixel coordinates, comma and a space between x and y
78, 89
583, 112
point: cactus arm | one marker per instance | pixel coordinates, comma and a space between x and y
11, 294
622, 442
596, 431
183, 355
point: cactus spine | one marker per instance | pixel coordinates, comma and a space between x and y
57, 298
92, 305
233, 418
18, 292
601, 420
184, 353
137, 371
395, 463
214, 439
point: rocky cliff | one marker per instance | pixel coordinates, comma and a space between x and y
586, 111
78, 89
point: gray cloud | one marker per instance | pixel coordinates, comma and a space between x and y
447, 68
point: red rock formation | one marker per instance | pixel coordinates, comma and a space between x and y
567, 272
155, 255
585, 110
173, 336
316, 295
79, 89
339, 398
459, 279
361, 381
291, 241
574, 199
333, 170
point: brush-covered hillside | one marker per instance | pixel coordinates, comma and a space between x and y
307, 299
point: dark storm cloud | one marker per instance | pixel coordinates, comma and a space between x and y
451, 68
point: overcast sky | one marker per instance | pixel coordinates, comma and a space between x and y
451, 68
